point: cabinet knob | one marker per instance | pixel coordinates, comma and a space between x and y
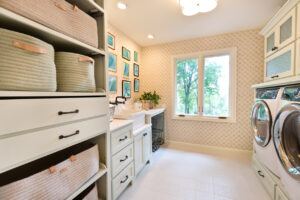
277, 76
145, 134
274, 48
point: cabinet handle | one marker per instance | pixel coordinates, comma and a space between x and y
277, 76
274, 48
66, 136
122, 160
145, 134
260, 173
70, 112
123, 181
122, 139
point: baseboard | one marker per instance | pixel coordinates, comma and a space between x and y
200, 147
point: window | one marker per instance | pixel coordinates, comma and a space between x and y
204, 86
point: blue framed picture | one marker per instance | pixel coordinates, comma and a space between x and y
136, 85
111, 41
126, 70
126, 88
136, 70
126, 53
112, 62
136, 56
112, 83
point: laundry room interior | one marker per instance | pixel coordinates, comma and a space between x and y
150, 100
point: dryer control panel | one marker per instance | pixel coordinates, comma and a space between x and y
291, 93
267, 93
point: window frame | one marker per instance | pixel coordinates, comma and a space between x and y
232, 52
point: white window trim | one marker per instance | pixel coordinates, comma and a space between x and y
200, 56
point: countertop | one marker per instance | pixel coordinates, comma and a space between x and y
155, 111
118, 123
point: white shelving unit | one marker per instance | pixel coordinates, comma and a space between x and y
62, 42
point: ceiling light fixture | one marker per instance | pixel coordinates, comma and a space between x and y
121, 5
150, 36
192, 7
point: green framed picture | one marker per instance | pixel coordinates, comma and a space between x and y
111, 41
112, 83
126, 89
136, 85
136, 70
126, 70
112, 62
136, 56
126, 53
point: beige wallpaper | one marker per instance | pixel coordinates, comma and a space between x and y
122, 40
156, 75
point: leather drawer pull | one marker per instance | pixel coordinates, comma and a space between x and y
70, 112
29, 47
260, 173
122, 160
122, 139
58, 5
66, 136
123, 181
85, 59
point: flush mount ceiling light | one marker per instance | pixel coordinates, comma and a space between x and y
121, 5
192, 7
150, 36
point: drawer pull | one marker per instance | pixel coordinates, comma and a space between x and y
70, 112
122, 139
123, 181
274, 48
277, 76
145, 134
122, 160
260, 173
66, 136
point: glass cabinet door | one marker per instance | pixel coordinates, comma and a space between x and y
287, 26
280, 64
270, 43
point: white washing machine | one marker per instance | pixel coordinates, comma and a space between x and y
262, 116
286, 137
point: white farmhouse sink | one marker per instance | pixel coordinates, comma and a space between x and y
138, 117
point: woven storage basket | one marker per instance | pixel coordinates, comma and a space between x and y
75, 72
27, 63
57, 182
58, 15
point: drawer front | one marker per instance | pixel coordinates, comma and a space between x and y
264, 177
25, 114
120, 183
121, 138
25, 148
122, 159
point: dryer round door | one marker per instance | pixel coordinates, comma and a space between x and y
286, 138
261, 122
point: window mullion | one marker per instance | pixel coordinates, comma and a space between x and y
200, 85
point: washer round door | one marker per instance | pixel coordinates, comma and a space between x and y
261, 122
286, 132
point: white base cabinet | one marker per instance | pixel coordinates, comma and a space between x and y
142, 147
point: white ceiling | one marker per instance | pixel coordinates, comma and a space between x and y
163, 18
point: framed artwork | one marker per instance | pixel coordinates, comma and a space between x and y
112, 62
136, 85
136, 70
126, 88
126, 70
136, 56
111, 41
126, 53
112, 83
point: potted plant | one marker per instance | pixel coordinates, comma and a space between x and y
150, 100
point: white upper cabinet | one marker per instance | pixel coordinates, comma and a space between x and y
298, 57
282, 34
298, 21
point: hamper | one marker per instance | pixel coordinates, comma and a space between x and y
75, 72
27, 63
57, 181
58, 15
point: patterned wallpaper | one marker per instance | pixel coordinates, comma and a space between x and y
122, 40
156, 75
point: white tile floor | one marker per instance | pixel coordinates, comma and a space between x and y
178, 173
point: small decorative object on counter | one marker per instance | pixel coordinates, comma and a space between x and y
150, 100
58, 15
112, 109
75, 72
27, 63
